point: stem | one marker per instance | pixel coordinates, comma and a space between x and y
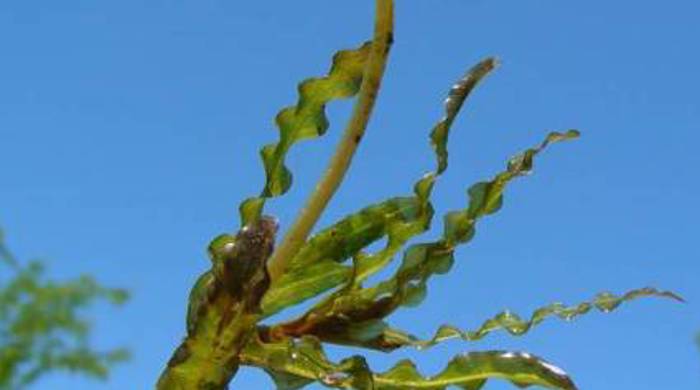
340, 162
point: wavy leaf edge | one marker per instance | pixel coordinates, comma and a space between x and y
512, 323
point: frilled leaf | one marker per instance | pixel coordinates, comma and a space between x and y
307, 119
316, 268
339, 318
513, 324
296, 364
471, 371
455, 99
458, 94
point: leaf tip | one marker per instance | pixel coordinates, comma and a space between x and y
674, 296
493, 62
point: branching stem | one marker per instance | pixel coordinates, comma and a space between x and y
340, 162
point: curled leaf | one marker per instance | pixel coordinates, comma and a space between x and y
338, 318
453, 103
470, 371
423, 260
315, 268
305, 120
293, 365
458, 94
513, 324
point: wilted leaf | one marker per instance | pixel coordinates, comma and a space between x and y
307, 119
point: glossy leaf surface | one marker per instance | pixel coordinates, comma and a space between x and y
296, 364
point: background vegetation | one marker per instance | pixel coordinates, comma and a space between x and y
44, 326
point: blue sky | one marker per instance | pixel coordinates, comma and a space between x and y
129, 133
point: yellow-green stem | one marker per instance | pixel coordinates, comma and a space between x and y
340, 162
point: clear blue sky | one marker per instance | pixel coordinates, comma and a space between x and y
129, 132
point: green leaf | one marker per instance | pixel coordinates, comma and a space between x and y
486, 198
305, 120
293, 364
439, 135
368, 265
315, 268
513, 324
455, 99
470, 371
338, 318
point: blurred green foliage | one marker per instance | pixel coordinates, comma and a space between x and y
43, 327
